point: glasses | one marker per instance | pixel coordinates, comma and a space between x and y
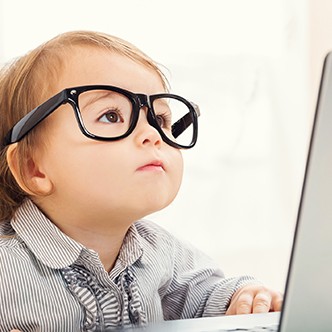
108, 113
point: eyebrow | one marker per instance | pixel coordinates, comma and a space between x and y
162, 102
93, 97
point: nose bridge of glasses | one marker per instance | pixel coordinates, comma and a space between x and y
143, 101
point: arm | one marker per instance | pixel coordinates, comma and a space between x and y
190, 285
198, 288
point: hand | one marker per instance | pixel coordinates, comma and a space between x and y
254, 299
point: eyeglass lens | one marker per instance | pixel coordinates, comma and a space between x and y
109, 114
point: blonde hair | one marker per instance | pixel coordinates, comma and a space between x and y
27, 82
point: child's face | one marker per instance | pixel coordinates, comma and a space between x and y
129, 178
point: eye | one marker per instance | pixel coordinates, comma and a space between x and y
164, 120
112, 116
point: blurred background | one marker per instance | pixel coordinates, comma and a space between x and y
253, 66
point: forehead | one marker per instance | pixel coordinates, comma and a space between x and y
93, 66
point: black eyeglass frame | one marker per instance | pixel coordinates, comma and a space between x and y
138, 101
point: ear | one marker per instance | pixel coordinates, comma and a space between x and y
29, 176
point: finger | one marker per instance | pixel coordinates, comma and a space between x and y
262, 302
243, 305
277, 300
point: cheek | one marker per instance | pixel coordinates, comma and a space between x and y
85, 177
180, 167
177, 170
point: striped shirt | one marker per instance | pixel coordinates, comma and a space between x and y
49, 282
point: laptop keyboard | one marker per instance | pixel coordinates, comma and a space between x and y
272, 328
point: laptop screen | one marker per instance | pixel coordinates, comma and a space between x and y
308, 299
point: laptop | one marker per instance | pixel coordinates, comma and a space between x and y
308, 294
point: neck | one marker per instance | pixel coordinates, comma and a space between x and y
107, 245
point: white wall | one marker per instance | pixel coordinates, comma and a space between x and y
246, 63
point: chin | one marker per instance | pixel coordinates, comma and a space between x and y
160, 205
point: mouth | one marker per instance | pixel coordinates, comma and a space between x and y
155, 165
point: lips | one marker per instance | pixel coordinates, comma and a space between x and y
155, 165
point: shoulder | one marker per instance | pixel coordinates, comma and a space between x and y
147, 228
162, 241
8, 237
156, 242
154, 234
13, 251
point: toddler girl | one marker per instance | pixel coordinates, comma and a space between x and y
91, 143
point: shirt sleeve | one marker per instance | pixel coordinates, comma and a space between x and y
198, 287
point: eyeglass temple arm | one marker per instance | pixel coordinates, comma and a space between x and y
30, 120
182, 124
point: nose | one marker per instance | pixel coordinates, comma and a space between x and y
145, 134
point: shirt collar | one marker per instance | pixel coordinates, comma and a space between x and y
54, 248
